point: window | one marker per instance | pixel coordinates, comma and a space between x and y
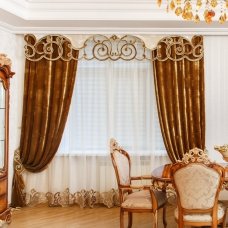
113, 99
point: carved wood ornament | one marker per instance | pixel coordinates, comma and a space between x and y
5, 75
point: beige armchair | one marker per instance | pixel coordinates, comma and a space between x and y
198, 182
134, 199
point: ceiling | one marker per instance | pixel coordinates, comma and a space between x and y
97, 16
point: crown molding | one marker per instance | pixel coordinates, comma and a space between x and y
114, 30
86, 10
14, 7
33, 10
97, 16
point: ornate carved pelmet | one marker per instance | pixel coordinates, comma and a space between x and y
101, 47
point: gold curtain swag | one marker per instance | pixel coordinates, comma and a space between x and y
179, 86
48, 87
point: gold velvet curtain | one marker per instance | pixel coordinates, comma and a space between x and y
50, 71
179, 85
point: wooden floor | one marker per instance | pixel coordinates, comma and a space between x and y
43, 216
74, 217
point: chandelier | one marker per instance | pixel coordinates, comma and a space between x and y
197, 10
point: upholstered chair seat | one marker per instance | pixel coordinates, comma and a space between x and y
134, 199
142, 200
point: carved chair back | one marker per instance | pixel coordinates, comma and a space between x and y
197, 182
121, 163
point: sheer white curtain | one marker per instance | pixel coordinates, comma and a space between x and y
111, 99
216, 95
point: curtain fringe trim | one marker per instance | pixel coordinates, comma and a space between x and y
83, 198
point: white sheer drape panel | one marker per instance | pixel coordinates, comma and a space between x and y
75, 173
84, 172
216, 82
111, 99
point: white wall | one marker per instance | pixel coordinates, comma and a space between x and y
216, 93
12, 45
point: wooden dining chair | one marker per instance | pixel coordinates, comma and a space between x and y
198, 182
134, 199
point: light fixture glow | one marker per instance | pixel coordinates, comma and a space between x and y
197, 10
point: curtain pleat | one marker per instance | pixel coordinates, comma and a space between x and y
48, 89
179, 86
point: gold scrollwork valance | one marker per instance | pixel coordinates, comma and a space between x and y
51, 47
127, 48
177, 48
101, 47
